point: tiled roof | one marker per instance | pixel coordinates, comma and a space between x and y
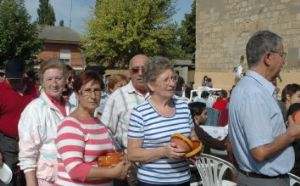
59, 34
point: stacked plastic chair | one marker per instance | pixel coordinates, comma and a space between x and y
212, 170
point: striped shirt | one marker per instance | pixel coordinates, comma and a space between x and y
79, 143
155, 130
117, 111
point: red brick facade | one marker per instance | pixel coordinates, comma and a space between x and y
52, 50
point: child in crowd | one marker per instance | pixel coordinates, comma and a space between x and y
199, 116
294, 111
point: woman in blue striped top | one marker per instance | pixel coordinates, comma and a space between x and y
151, 126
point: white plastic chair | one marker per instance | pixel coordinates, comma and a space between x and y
212, 170
294, 179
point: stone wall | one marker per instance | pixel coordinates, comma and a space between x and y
224, 27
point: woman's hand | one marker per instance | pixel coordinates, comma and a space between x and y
192, 160
121, 169
171, 151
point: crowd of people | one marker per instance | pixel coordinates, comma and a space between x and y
53, 133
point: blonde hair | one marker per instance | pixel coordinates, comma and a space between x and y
114, 79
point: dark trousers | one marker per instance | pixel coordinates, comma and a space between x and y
10, 149
243, 180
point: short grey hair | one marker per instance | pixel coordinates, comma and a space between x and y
52, 64
156, 66
260, 43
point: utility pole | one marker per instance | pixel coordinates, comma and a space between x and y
70, 24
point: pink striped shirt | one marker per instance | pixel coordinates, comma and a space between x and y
79, 143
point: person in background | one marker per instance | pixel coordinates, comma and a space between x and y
106, 77
186, 91
179, 84
38, 126
31, 76
71, 76
199, 112
114, 82
221, 105
295, 108
69, 82
2, 74
260, 141
199, 116
239, 70
15, 93
119, 105
209, 82
204, 81
81, 138
290, 94
152, 124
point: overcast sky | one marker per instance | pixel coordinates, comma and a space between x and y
82, 10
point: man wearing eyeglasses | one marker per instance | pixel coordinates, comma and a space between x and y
119, 105
16, 93
261, 142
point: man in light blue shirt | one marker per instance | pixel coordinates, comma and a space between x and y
260, 140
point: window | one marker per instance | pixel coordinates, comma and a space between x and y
65, 56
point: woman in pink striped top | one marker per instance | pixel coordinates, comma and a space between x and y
82, 138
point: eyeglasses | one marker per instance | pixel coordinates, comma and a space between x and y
2, 74
282, 55
136, 70
89, 91
168, 80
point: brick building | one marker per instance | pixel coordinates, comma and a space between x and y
223, 28
62, 43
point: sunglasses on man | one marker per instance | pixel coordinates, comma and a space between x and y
136, 70
2, 74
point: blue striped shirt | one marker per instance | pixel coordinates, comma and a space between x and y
156, 130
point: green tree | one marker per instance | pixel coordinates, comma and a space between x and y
46, 15
120, 29
187, 32
18, 37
